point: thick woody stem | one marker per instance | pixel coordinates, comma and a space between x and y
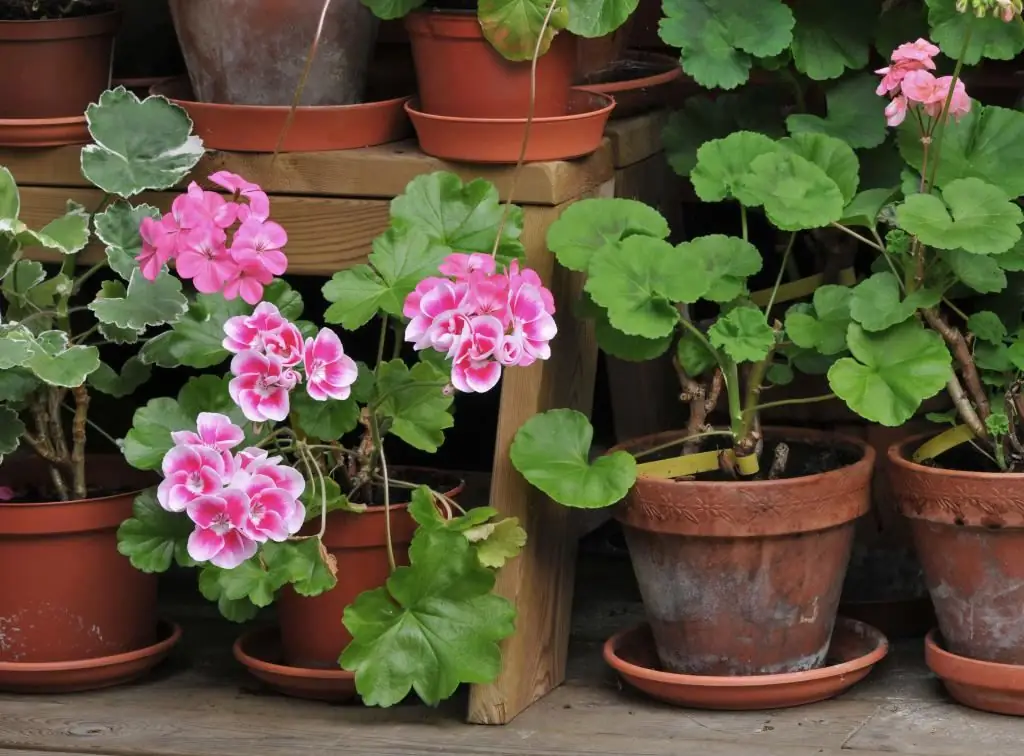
78, 436
965, 409
695, 395
968, 369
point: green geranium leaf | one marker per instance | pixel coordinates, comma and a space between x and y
984, 220
139, 145
823, 326
514, 27
301, 564
497, 542
552, 452
433, 627
10, 200
780, 374
235, 610
834, 156
415, 402
694, 356
596, 18
702, 119
146, 303
987, 326
463, 217
330, 498
133, 374
987, 143
615, 342
983, 274
326, 421
864, 209
591, 225
876, 303
796, 193
17, 344
855, 114
891, 372
57, 363
728, 260
153, 538
67, 234
391, 9
118, 228
16, 384
11, 429
723, 164
638, 282
743, 335
250, 580
829, 38
990, 37
718, 40
21, 287
10, 251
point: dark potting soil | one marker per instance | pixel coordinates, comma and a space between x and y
965, 458
36, 10
804, 458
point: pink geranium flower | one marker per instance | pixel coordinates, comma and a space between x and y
259, 203
439, 312
214, 431
159, 245
248, 280
204, 258
896, 111
330, 373
6, 493
921, 51
274, 514
286, 478
460, 266
261, 241
959, 104
220, 521
473, 370
488, 295
189, 472
260, 387
210, 206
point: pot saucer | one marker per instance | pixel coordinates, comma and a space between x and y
855, 649
988, 686
637, 82
88, 674
257, 128
499, 140
260, 652
43, 132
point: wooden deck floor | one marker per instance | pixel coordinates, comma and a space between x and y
202, 704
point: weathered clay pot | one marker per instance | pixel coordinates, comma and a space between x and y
253, 52
67, 594
744, 577
969, 531
312, 634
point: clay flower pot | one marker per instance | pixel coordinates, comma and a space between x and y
75, 597
312, 634
253, 52
461, 75
969, 532
55, 67
743, 577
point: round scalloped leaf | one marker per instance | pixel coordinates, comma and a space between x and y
990, 37
728, 260
855, 114
831, 37
891, 373
613, 341
823, 326
514, 27
796, 194
832, 155
596, 18
11, 429
145, 303
591, 225
139, 145
987, 326
743, 334
722, 164
552, 451
118, 228
876, 303
388, 10
10, 200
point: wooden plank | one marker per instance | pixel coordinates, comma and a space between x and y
324, 234
637, 138
375, 172
540, 581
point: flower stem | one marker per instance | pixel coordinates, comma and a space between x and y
785, 402
940, 127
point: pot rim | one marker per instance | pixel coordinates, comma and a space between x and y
791, 433
53, 29
897, 456
605, 101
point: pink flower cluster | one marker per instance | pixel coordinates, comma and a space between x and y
267, 349
236, 501
194, 235
909, 82
482, 320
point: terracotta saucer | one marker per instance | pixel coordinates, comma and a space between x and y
89, 674
637, 82
43, 132
988, 686
856, 648
257, 128
260, 652
499, 140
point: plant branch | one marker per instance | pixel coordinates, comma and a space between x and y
78, 434
958, 345
964, 407
778, 278
858, 237
786, 402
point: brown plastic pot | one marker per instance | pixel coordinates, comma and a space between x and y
55, 67
254, 52
743, 577
969, 532
312, 633
461, 75
75, 597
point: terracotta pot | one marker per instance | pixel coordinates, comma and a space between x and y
312, 634
253, 52
593, 56
64, 65
969, 531
75, 597
461, 75
744, 577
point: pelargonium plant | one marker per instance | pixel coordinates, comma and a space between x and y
255, 462
53, 331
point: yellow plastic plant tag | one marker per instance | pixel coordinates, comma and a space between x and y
943, 442
801, 288
693, 464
